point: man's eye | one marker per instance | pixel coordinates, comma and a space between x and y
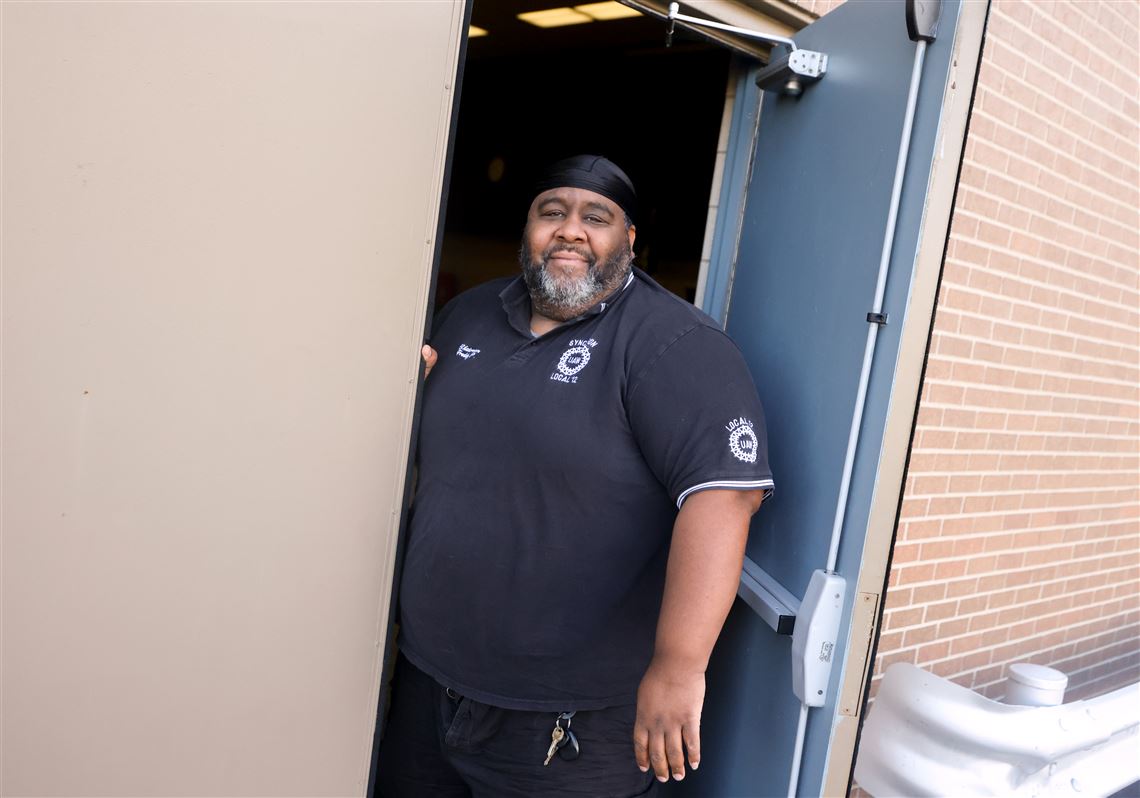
595, 220
552, 213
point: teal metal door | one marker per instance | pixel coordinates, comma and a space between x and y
816, 212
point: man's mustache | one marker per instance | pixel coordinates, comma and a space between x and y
584, 254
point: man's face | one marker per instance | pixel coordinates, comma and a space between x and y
576, 248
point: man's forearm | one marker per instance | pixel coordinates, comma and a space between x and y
700, 583
704, 570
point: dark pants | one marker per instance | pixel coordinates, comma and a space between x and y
438, 744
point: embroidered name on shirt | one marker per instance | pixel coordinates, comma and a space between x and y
573, 360
466, 352
742, 440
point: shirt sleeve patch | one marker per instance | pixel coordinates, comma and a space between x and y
742, 441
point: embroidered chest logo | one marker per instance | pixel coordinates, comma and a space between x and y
573, 360
466, 352
742, 440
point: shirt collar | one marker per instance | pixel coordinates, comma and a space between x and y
516, 304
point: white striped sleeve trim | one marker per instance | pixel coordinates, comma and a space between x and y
731, 484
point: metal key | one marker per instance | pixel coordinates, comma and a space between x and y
556, 738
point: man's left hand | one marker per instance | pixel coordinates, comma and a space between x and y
668, 723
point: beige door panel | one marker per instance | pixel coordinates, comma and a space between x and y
218, 224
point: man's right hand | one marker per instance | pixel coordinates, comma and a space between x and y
429, 355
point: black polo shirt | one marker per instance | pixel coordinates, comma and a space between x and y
550, 474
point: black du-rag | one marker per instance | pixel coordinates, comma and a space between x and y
593, 173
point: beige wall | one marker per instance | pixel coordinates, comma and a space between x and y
217, 240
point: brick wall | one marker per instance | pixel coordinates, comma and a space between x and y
1019, 537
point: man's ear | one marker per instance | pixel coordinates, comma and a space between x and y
632, 233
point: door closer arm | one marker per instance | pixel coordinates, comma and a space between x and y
785, 74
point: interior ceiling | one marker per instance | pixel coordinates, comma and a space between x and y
645, 33
509, 36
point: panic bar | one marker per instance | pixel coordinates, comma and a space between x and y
768, 598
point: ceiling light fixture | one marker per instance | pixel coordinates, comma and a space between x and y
608, 10
474, 31
555, 17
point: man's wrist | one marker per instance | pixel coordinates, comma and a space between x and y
678, 664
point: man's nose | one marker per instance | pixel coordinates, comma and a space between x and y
571, 229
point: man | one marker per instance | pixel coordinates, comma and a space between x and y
592, 450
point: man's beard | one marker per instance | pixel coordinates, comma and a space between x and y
563, 298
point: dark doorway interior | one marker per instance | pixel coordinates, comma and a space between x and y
531, 95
